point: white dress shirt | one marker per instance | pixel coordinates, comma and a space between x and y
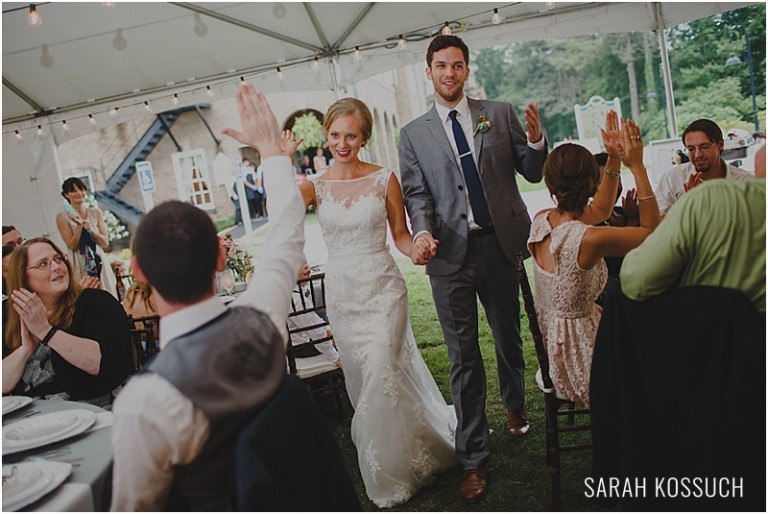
156, 427
671, 185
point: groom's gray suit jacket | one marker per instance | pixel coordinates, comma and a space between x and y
433, 183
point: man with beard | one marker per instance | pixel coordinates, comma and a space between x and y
703, 141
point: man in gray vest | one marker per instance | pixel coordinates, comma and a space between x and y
176, 423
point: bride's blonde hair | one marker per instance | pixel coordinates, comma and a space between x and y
350, 107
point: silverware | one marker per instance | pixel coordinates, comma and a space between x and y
22, 416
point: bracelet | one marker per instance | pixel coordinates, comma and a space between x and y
614, 174
649, 197
44, 341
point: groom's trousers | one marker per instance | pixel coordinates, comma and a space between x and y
488, 274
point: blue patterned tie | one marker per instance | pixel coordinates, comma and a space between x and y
471, 176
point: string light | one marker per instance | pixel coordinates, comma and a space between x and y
92, 119
496, 18
108, 5
279, 73
147, 107
315, 63
18, 135
550, 6
446, 29
175, 99
33, 18
358, 53
113, 112
39, 130
209, 91
64, 125
242, 79
401, 42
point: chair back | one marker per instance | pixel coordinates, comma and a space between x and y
145, 336
307, 320
533, 323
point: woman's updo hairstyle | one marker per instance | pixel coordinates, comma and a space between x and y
350, 107
572, 175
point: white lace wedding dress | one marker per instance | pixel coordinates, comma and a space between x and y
402, 427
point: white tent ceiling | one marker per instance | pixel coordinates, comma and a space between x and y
86, 58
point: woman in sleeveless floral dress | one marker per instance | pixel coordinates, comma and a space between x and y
568, 250
402, 427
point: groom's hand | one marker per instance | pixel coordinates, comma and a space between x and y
423, 249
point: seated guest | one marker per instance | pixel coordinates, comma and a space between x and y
138, 303
11, 236
61, 341
327, 348
568, 252
703, 141
176, 424
713, 236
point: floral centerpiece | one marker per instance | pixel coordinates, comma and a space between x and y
238, 260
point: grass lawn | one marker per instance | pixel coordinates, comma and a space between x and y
518, 476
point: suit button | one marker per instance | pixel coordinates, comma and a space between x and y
461, 188
463, 216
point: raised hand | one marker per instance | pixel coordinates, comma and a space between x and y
631, 208
693, 181
533, 122
612, 140
88, 282
259, 125
288, 143
632, 145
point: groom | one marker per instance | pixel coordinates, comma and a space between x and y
458, 165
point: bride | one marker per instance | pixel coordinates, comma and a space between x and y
402, 427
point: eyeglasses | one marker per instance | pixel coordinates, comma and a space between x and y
46, 264
701, 148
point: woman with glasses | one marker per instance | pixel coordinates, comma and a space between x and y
85, 234
61, 341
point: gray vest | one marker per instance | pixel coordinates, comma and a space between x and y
228, 368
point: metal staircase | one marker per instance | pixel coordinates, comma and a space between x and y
110, 198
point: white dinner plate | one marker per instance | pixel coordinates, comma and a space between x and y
45, 429
28, 481
227, 298
12, 403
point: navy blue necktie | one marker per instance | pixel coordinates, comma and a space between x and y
471, 176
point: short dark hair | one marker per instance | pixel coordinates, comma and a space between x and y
572, 176
8, 228
601, 158
70, 184
709, 127
176, 247
442, 42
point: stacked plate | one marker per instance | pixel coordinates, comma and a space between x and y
14, 403
28, 481
45, 429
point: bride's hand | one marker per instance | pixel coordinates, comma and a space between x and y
288, 143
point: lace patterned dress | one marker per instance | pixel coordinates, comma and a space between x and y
566, 308
402, 428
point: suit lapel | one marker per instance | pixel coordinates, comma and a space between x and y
435, 125
476, 109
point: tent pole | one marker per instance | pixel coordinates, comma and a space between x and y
671, 117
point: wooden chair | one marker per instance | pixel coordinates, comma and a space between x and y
307, 316
555, 405
145, 334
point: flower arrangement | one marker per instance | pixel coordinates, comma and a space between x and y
238, 260
483, 124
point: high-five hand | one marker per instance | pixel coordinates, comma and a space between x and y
259, 125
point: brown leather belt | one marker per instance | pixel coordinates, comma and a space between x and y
482, 231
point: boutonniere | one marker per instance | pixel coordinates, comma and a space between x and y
483, 125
